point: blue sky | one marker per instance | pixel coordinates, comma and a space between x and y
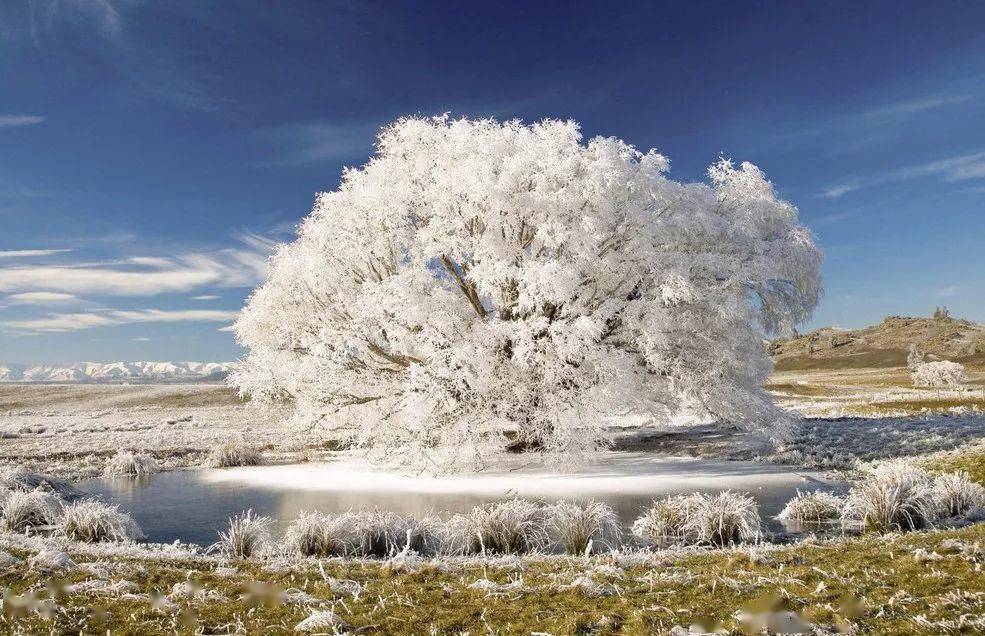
150, 152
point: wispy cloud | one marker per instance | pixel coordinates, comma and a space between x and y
145, 276
878, 124
908, 108
42, 298
29, 253
949, 291
298, 144
205, 297
950, 169
12, 121
89, 320
839, 190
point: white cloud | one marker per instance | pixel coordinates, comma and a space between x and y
949, 291
297, 144
11, 121
912, 107
141, 339
29, 253
89, 320
951, 169
41, 298
205, 297
146, 276
835, 191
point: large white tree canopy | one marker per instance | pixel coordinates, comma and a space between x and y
478, 284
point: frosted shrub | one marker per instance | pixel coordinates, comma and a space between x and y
317, 534
93, 521
956, 494
30, 509
381, 534
895, 496
723, 519
938, 374
248, 535
475, 278
665, 522
515, 526
577, 526
234, 453
812, 509
126, 463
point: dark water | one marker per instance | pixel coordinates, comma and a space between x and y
193, 505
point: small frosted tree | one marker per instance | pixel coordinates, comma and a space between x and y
478, 285
938, 375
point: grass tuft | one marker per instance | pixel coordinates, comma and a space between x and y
92, 521
582, 528
956, 493
723, 519
515, 526
126, 463
382, 534
811, 509
234, 453
665, 522
896, 497
30, 509
316, 534
248, 535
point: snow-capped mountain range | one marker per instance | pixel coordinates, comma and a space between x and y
116, 372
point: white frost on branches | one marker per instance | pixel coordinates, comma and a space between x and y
938, 374
478, 284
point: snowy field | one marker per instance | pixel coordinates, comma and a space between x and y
68, 430
851, 417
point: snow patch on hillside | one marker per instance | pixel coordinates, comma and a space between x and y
83, 372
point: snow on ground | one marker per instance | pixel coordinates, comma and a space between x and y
68, 429
57, 428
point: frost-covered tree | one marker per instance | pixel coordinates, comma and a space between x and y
938, 374
480, 284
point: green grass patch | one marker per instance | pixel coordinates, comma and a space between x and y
972, 462
877, 583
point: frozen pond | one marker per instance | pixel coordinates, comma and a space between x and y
191, 505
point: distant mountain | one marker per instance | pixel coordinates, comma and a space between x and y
108, 372
883, 345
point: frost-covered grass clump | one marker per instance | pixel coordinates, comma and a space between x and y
317, 534
515, 526
381, 534
895, 497
24, 509
92, 521
580, 528
234, 453
127, 463
665, 522
956, 494
19, 478
248, 536
723, 519
812, 509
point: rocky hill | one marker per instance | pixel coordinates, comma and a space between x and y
883, 345
105, 372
